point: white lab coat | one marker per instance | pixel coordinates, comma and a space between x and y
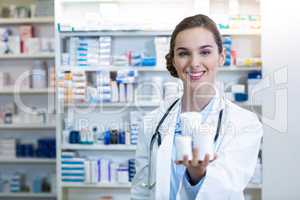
226, 178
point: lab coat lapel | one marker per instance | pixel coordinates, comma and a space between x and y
163, 165
213, 116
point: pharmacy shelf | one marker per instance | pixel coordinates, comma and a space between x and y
112, 68
241, 32
27, 160
114, 1
26, 126
114, 105
252, 186
133, 33
144, 33
27, 91
151, 69
99, 185
248, 105
28, 195
35, 20
111, 147
27, 56
239, 69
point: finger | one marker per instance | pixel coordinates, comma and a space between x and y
215, 157
178, 162
206, 160
195, 157
185, 161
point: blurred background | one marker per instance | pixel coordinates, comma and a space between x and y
74, 87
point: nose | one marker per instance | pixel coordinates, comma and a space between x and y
195, 60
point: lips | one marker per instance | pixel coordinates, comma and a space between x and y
195, 75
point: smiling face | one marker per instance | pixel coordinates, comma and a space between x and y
196, 57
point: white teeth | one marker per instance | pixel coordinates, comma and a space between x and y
196, 73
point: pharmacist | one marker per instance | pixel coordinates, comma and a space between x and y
165, 167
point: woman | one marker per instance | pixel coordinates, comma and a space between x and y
195, 54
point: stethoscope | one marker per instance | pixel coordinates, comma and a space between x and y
157, 135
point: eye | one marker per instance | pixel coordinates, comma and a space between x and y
183, 53
205, 52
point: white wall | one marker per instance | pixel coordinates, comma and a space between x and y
280, 51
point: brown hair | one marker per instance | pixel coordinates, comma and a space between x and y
187, 23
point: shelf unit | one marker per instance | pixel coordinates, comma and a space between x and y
100, 186
127, 149
11, 91
113, 68
241, 32
27, 56
131, 1
116, 105
27, 161
34, 20
26, 126
239, 69
27, 195
112, 147
15, 64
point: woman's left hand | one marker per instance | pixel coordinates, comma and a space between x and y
196, 168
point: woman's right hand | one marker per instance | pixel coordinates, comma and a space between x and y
196, 168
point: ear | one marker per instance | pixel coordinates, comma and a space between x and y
222, 56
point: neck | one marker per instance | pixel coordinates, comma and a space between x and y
195, 102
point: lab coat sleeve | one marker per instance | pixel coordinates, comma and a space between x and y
229, 174
138, 192
192, 190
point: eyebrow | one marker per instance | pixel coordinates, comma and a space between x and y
201, 47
